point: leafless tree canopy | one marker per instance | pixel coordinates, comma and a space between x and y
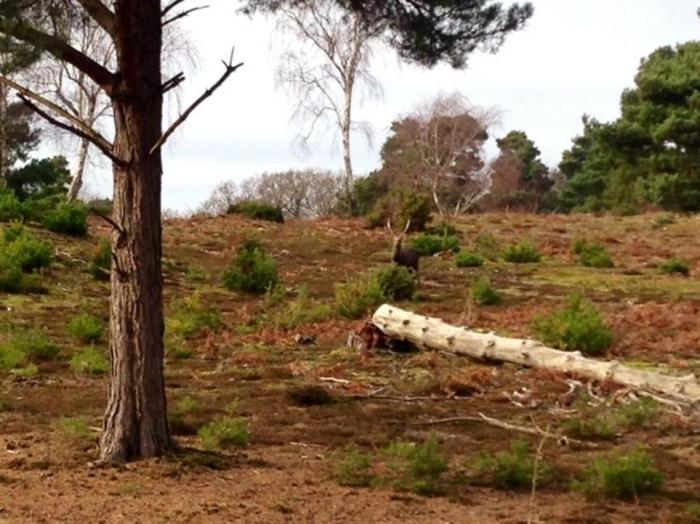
438, 149
327, 69
298, 193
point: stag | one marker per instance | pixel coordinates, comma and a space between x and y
402, 256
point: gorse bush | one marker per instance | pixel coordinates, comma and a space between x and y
675, 265
512, 469
86, 328
387, 283
101, 261
577, 327
621, 475
190, 317
257, 210
483, 293
89, 361
69, 218
592, 254
427, 244
253, 270
224, 433
521, 253
468, 259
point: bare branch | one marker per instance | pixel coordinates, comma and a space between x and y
108, 151
172, 5
230, 68
173, 82
88, 132
101, 14
183, 14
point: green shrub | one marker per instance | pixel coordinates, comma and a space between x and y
257, 210
605, 422
101, 261
487, 246
86, 328
35, 345
521, 253
512, 469
224, 433
190, 318
468, 259
69, 218
355, 298
352, 467
577, 327
253, 270
483, 293
10, 207
427, 245
675, 265
592, 254
11, 278
302, 311
621, 475
89, 361
11, 357
17, 247
413, 467
396, 282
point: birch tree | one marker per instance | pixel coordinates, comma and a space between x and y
329, 70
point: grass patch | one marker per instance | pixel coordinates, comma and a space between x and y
592, 254
76, 428
253, 270
190, 317
302, 311
483, 293
224, 433
521, 253
606, 422
89, 361
34, 344
86, 328
353, 467
622, 475
675, 266
468, 259
413, 467
513, 469
487, 245
577, 327
26, 372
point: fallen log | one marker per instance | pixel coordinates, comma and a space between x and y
433, 333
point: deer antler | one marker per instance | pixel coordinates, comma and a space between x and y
388, 226
408, 225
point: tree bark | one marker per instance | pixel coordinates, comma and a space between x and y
77, 183
435, 334
135, 423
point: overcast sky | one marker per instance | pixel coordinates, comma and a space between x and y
574, 57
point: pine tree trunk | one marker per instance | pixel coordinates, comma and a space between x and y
135, 423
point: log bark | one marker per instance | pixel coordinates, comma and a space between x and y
433, 333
